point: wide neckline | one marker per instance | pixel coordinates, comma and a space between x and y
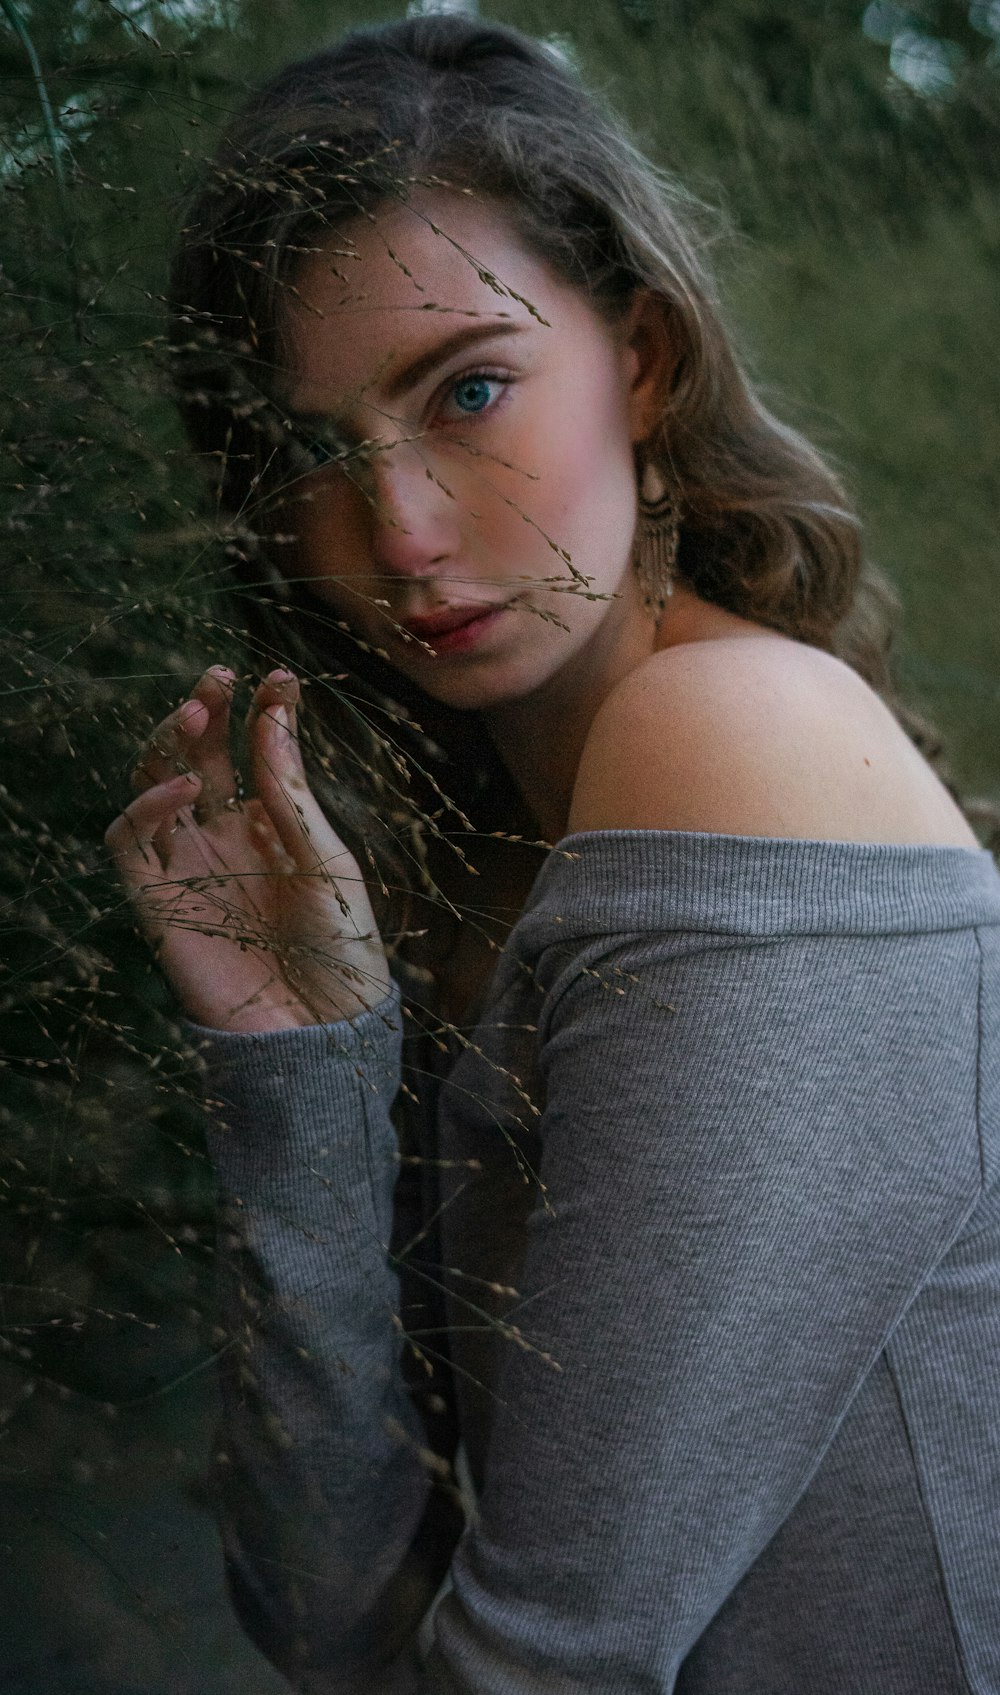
616, 881
825, 842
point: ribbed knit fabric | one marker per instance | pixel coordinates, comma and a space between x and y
699, 1253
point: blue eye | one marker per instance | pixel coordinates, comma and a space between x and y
476, 392
472, 394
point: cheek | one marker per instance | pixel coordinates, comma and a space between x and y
585, 496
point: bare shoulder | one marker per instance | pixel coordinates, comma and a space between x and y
758, 737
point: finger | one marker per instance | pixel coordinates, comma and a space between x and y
278, 688
210, 755
131, 839
168, 752
277, 768
194, 736
265, 837
283, 787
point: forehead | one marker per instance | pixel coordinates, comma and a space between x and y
384, 291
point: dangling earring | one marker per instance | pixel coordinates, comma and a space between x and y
657, 536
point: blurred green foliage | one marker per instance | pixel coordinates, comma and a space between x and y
858, 255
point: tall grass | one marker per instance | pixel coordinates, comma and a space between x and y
859, 268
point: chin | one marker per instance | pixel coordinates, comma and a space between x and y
488, 681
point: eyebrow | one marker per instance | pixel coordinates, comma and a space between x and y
428, 361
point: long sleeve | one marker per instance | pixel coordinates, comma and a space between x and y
336, 1516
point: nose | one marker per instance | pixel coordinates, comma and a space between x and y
414, 519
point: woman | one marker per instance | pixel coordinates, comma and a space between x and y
685, 1252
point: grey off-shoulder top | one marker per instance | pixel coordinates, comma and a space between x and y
694, 1257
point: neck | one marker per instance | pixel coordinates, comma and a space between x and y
540, 737
542, 756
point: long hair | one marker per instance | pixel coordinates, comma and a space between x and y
768, 531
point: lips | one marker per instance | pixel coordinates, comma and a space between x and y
431, 624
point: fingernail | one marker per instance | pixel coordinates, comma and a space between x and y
279, 677
189, 710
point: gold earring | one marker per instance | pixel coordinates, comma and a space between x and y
657, 537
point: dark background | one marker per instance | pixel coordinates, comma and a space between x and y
853, 154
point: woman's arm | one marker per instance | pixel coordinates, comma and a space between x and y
333, 1479
337, 1507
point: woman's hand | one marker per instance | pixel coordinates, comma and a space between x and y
256, 910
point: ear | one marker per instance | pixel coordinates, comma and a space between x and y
650, 359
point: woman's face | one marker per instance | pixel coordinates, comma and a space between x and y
500, 437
